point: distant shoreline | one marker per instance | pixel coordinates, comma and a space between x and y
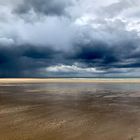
68, 80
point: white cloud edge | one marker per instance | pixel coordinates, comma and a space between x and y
72, 68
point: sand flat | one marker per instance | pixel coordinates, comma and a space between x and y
69, 111
70, 80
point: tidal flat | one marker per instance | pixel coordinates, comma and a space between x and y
59, 110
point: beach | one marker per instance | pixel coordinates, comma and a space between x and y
70, 109
70, 80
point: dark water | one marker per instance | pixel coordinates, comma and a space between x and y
71, 111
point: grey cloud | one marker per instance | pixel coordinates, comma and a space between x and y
122, 8
47, 7
25, 60
117, 8
29, 60
103, 43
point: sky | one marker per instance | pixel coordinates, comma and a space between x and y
69, 38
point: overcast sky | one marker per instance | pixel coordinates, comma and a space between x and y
82, 38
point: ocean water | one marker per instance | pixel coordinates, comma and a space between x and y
70, 111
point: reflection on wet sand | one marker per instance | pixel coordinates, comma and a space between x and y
70, 111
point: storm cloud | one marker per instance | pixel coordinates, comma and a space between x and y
47, 7
88, 38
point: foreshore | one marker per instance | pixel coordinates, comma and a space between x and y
73, 111
69, 80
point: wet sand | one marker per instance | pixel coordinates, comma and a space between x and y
69, 111
70, 80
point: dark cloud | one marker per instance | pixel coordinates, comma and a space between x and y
28, 60
47, 7
103, 54
25, 60
94, 51
39, 52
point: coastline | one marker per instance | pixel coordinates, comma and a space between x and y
68, 80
